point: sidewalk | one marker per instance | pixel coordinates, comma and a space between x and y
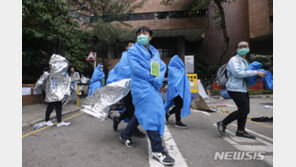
32, 114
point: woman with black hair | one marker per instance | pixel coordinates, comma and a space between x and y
237, 89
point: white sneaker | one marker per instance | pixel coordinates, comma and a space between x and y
49, 123
63, 124
163, 158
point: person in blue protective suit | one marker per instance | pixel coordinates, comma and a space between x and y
119, 72
236, 87
97, 80
178, 91
147, 75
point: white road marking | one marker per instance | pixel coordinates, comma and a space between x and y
152, 162
203, 112
171, 148
265, 137
263, 147
242, 140
268, 159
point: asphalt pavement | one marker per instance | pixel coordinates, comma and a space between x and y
89, 141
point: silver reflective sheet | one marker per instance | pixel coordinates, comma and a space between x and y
97, 104
41, 83
84, 88
58, 84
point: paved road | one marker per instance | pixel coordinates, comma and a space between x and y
90, 142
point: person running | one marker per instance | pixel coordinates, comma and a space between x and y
97, 80
178, 92
147, 74
237, 89
119, 72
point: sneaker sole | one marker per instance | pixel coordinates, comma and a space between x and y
246, 137
182, 127
63, 125
164, 163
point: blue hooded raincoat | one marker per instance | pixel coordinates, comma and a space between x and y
178, 84
149, 108
268, 79
120, 71
96, 80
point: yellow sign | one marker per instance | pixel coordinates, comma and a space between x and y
193, 83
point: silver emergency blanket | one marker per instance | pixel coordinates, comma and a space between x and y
99, 102
41, 83
58, 84
84, 88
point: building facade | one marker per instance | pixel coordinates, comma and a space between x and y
176, 33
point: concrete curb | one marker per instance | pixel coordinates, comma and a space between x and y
32, 123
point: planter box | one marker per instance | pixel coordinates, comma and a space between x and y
29, 96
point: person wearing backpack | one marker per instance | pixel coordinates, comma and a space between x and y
237, 89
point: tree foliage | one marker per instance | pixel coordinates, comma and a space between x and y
109, 19
107, 10
47, 29
110, 37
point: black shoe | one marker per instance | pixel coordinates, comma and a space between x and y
163, 158
221, 128
245, 134
180, 125
167, 115
115, 123
128, 143
139, 134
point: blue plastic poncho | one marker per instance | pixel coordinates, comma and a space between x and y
253, 66
121, 70
268, 79
112, 77
149, 108
178, 84
224, 94
96, 80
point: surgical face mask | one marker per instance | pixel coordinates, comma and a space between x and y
101, 68
143, 39
243, 51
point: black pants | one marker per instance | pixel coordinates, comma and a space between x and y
177, 109
129, 107
58, 107
242, 102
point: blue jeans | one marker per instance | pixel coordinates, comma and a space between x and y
130, 128
154, 136
155, 140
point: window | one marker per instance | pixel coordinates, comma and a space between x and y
271, 19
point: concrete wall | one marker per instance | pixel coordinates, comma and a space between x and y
154, 6
237, 24
259, 12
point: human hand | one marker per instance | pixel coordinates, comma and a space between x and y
261, 74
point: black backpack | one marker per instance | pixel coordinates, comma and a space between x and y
221, 78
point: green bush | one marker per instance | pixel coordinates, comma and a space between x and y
259, 92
